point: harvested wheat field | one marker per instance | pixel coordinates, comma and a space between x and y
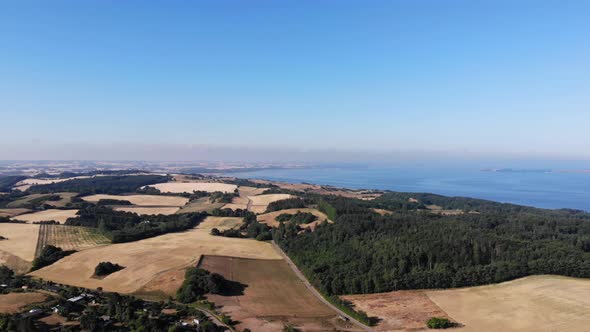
70, 237
21, 239
235, 206
189, 187
142, 200
200, 205
536, 303
12, 303
12, 212
270, 218
267, 303
397, 311
27, 183
260, 203
148, 210
47, 215
147, 259
250, 191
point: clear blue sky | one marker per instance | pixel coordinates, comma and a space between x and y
485, 78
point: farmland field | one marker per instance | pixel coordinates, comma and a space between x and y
47, 215
70, 237
401, 310
148, 259
143, 200
269, 302
15, 302
189, 187
18, 250
148, 210
536, 303
27, 183
12, 212
260, 202
200, 205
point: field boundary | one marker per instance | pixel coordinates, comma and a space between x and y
315, 292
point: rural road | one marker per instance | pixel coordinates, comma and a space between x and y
315, 292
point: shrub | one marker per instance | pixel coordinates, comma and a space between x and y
106, 268
439, 323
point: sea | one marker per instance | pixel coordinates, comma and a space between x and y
544, 188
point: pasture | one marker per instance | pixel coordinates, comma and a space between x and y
47, 215
148, 259
189, 187
142, 200
274, 296
535, 303
12, 212
200, 205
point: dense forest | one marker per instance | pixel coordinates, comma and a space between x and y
364, 252
112, 185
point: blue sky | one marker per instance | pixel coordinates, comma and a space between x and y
489, 79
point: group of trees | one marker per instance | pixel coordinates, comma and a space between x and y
198, 282
250, 228
284, 204
364, 252
112, 185
49, 255
126, 227
297, 218
106, 268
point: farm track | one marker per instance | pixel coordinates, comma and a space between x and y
315, 292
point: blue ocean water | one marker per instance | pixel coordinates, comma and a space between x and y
540, 189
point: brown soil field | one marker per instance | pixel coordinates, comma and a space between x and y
199, 205
267, 303
535, 303
398, 311
270, 218
189, 187
21, 239
16, 302
70, 237
142, 200
147, 210
47, 215
147, 259
12, 212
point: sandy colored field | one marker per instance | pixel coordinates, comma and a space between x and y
144, 200
27, 183
270, 218
399, 311
12, 212
536, 303
260, 203
145, 260
189, 187
273, 296
200, 205
21, 239
47, 215
16, 302
383, 212
70, 237
146, 210
235, 206
250, 191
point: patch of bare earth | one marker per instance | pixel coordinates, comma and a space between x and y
273, 296
16, 302
397, 311
383, 212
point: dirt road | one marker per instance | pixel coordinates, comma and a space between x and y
315, 292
